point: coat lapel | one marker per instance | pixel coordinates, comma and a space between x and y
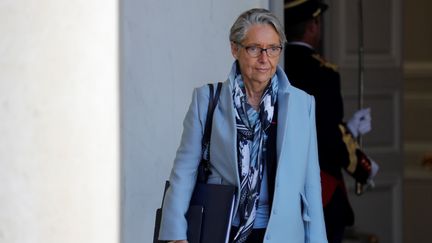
224, 135
283, 116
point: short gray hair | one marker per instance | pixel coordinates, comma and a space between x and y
252, 17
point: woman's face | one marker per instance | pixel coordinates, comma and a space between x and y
258, 69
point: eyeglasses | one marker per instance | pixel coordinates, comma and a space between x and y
255, 51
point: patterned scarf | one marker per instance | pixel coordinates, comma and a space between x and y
252, 132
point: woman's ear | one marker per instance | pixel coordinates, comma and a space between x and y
234, 49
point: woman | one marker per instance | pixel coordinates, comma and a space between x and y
263, 141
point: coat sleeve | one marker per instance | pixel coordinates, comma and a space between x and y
316, 232
184, 171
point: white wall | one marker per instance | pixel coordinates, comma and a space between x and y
168, 47
59, 135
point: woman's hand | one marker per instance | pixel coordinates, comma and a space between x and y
178, 241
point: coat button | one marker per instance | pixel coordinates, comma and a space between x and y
274, 211
268, 237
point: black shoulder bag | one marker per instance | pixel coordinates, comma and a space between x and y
211, 207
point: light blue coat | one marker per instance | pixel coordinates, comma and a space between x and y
296, 215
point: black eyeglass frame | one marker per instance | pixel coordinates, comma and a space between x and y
261, 50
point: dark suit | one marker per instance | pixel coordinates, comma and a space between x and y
308, 71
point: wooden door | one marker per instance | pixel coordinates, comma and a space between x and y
378, 211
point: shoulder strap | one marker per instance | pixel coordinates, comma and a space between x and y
213, 100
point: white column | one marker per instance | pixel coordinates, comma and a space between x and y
59, 121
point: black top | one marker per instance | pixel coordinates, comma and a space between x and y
308, 71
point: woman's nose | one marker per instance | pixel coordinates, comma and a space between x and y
263, 56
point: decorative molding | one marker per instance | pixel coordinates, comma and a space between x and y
417, 173
389, 59
385, 183
415, 70
418, 146
418, 98
397, 209
394, 98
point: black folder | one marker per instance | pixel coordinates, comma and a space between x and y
194, 218
209, 215
218, 204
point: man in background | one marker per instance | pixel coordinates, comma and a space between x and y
337, 147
